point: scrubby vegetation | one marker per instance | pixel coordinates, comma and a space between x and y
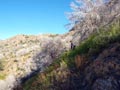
56, 75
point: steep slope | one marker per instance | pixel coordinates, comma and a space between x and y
93, 65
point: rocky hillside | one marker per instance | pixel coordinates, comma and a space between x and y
22, 55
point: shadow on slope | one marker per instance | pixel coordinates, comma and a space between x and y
91, 66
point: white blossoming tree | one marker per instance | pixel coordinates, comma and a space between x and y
85, 10
87, 16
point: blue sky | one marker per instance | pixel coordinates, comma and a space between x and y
32, 17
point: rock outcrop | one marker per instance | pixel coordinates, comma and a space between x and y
103, 73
